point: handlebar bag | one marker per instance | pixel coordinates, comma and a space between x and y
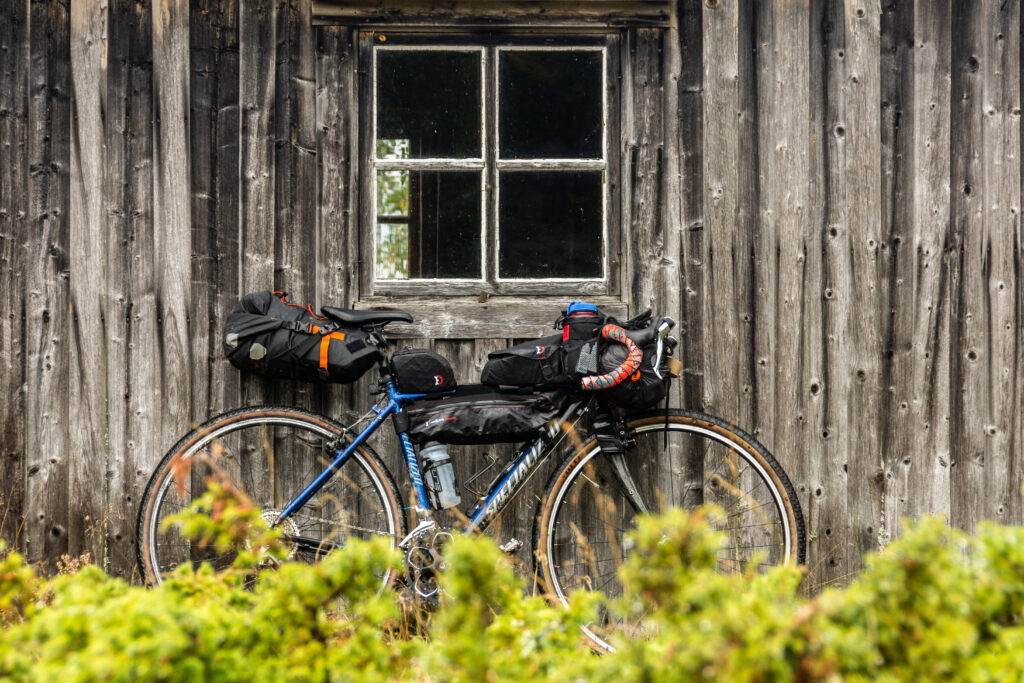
477, 414
419, 371
269, 336
642, 389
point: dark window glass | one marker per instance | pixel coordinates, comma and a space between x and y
549, 104
550, 224
428, 104
428, 224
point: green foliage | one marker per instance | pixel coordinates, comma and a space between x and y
937, 605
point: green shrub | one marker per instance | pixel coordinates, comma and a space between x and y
936, 605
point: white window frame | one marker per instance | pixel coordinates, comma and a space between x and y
490, 167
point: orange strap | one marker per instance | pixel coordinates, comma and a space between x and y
325, 345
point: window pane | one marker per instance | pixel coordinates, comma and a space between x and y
392, 251
428, 224
428, 104
550, 224
550, 104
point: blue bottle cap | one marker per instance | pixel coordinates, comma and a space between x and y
575, 306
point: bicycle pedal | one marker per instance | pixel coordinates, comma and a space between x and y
512, 546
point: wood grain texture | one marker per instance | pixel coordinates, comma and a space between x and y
826, 194
728, 121
820, 497
783, 373
117, 519
688, 102
295, 188
144, 380
968, 362
257, 35
1000, 314
337, 127
564, 13
88, 283
14, 231
916, 444
46, 295
830, 479
172, 215
214, 57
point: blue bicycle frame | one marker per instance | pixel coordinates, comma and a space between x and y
484, 511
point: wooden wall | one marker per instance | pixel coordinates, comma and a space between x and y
827, 194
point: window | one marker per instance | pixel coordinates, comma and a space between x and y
489, 167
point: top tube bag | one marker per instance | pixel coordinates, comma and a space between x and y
268, 335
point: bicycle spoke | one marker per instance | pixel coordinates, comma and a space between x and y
271, 455
589, 513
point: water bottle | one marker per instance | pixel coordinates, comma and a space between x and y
439, 476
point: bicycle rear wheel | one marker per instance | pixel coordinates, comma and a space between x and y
579, 533
270, 454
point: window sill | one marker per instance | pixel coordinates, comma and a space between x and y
494, 318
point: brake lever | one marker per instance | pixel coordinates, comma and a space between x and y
663, 329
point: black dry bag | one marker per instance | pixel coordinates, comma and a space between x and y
478, 414
267, 335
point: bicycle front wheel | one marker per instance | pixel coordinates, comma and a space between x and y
271, 454
588, 507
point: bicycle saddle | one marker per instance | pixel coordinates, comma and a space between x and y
349, 317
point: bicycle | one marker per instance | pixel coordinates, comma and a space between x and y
321, 483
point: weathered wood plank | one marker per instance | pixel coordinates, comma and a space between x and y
295, 188
864, 300
257, 35
214, 149
652, 262
689, 134
829, 479
144, 380
47, 298
172, 215
204, 79
916, 447
336, 133
224, 378
14, 233
782, 379
337, 128
455, 318
815, 463
564, 13
88, 284
115, 173
727, 248
898, 112
257, 54
1001, 316
968, 356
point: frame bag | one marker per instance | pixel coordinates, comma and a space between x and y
268, 336
477, 414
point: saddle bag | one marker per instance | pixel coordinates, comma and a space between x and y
642, 389
267, 335
477, 414
419, 371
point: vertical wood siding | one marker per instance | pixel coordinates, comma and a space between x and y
826, 194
